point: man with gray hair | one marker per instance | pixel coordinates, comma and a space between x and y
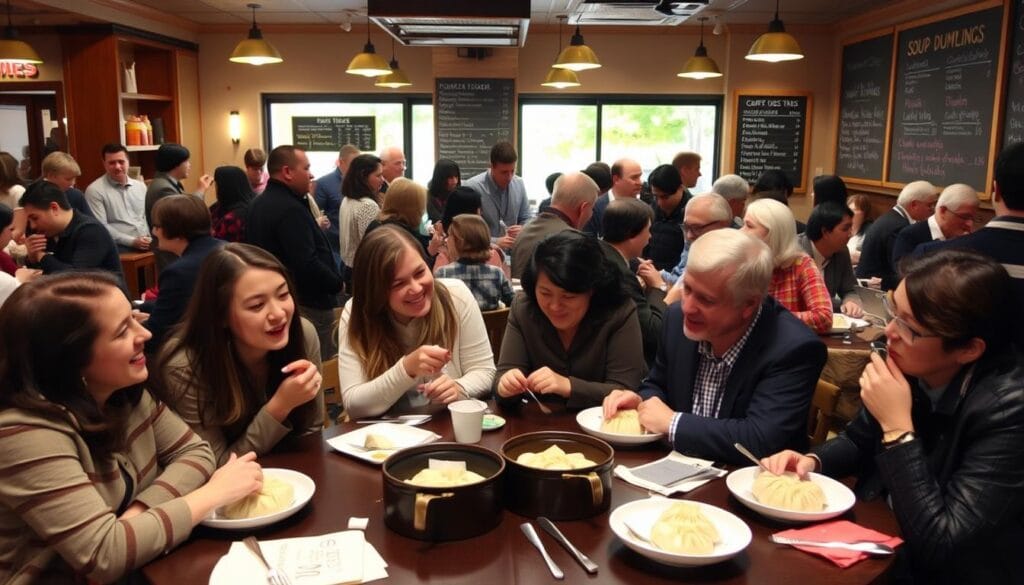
915, 203
572, 204
392, 163
953, 217
703, 214
735, 189
740, 369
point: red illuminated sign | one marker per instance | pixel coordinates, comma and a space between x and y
10, 70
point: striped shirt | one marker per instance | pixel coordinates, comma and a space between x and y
801, 289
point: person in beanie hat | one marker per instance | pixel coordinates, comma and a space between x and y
172, 165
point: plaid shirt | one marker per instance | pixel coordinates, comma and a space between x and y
801, 289
487, 283
712, 375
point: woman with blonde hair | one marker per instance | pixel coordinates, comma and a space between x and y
796, 282
404, 204
407, 342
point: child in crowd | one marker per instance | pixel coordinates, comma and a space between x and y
470, 246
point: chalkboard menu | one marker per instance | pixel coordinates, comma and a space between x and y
770, 134
330, 133
944, 94
473, 114
863, 108
1013, 123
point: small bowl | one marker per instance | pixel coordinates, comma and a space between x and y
590, 421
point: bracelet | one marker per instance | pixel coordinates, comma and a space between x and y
905, 437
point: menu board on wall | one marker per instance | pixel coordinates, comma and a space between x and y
771, 133
864, 108
330, 133
945, 90
471, 115
1013, 122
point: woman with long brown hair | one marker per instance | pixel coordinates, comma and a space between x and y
242, 368
407, 342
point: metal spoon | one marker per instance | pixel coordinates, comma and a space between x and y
746, 453
543, 407
405, 419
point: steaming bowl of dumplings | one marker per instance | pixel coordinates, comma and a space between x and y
284, 493
622, 431
680, 533
790, 503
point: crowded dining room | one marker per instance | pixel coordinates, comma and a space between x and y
318, 292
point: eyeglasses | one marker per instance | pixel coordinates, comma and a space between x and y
962, 216
697, 230
903, 329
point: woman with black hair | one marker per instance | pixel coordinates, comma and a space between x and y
234, 194
446, 178
573, 335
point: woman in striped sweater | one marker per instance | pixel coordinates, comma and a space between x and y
99, 478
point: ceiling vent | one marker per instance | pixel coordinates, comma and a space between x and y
459, 23
633, 12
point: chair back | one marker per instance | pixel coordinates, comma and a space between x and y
332, 390
823, 411
494, 322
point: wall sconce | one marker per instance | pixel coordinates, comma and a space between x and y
235, 127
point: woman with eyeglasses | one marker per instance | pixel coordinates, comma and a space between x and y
941, 432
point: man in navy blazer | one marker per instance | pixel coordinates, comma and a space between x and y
739, 369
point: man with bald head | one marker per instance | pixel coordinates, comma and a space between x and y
627, 178
392, 162
703, 214
572, 205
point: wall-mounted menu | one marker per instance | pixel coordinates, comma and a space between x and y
1013, 123
771, 131
945, 92
473, 114
864, 108
330, 133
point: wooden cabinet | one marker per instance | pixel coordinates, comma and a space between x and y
97, 101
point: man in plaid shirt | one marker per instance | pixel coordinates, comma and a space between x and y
733, 365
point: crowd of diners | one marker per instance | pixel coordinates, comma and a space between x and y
123, 424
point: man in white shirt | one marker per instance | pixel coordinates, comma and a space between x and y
119, 202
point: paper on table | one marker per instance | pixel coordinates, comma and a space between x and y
842, 531
626, 474
336, 558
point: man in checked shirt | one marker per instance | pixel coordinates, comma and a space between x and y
733, 365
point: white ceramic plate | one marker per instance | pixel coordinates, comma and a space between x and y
590, 421
838, 497
642, 514
841, 323
351, 443
303, 486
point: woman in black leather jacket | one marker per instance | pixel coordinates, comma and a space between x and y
941, 434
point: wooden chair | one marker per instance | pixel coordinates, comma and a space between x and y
332, 389
494, 322
823, 411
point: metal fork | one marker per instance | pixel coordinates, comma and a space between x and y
274, 577
867, 546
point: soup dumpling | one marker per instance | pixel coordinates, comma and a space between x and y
625, 422
373, 441
554, 458
684, 529
788, 492
450, 477
274, 496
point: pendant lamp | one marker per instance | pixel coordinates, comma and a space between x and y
13, 50
700, 66
254, 50
775, 45
577, 56
561, 78
368, 63
397, 78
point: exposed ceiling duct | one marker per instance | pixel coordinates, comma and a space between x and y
633, 12
461, 23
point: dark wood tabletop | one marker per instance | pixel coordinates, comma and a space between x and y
347, 487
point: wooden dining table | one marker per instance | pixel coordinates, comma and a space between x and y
347, 487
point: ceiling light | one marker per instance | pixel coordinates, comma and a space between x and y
559, 78
700, 66
368, 63
254, 50
776, 44
397, 78
13, 50
577, 56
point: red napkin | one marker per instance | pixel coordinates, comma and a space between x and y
843, 531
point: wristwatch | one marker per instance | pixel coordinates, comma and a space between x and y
904, 437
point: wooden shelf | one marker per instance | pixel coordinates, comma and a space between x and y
146, 148
152, 97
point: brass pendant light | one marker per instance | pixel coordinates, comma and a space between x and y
254, 50
13, 50
368, 63
700, 66
577, 56
559, 78
775, 45
397, 78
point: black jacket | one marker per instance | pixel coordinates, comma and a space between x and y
281, 223
958, 489
908, 239
650, 302
667, 239
876, 253
84, 245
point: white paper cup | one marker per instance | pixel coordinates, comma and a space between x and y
467, 420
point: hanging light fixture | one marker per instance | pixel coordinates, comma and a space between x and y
776, 44
368, 63
577, 56
561, 78
700, 66
13, 50
254, 50
397, 78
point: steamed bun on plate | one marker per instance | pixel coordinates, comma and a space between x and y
274, 496
625, 422
684, 529
788, 492
373, 441
444, 477
554, 458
